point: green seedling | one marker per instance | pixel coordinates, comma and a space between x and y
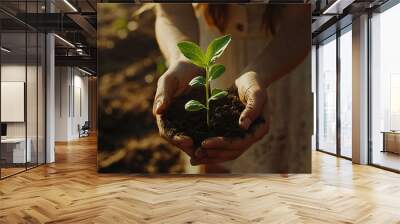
206, 60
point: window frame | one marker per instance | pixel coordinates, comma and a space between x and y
27, 29
378, 10
337, 36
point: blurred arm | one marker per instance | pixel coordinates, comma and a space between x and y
175, 23
290, 45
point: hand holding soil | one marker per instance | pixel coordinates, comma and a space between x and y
252, 93
223, 123
172, 84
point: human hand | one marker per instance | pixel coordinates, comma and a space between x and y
173, 83
252, 92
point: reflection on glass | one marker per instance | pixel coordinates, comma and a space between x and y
41, 98
346, 94
15, 151
385, 86
314, 91
327, 96
22, 91
31, 100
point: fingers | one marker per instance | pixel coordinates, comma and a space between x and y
216, 142
255, 99
166, 86
222, 154
189, 151
196, 161
220, 149
213, 156
181, 141
226, 143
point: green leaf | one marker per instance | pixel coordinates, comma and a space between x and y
217, 94
192, 52
198, 81
216, 71
215, 91
216, 48
194, 105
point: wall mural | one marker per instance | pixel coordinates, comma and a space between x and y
204, 88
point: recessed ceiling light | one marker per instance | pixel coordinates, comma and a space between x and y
84, 71
70, 5
337, 7
5, 50
65, 41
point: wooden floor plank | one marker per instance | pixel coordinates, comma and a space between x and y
71, 191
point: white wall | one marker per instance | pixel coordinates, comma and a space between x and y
80, 111
16, 73
33, 126
62, 81
71, 94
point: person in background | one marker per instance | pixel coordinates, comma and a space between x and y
268, 62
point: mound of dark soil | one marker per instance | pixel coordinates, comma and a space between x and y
224, 117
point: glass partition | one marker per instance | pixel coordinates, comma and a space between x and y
14, 144
326, 99
385, 89
32, 100
41, 109
32, 96
346, 93
23, 91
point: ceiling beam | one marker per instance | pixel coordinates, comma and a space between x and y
78, 61
84, 24
337, 7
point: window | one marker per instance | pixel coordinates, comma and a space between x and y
327, 96
385, 88
346, 93
314, 91
334, 106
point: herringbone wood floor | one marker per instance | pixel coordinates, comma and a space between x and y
70, 191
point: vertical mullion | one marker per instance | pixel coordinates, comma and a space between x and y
37, 90
338, 98
73, 92
316, 96
80, 102
369, 90
46, 3
60, 88
26, 86
0, 95
69, 92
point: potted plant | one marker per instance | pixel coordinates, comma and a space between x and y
204, 112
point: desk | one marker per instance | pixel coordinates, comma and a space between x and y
13, 150
391, 141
